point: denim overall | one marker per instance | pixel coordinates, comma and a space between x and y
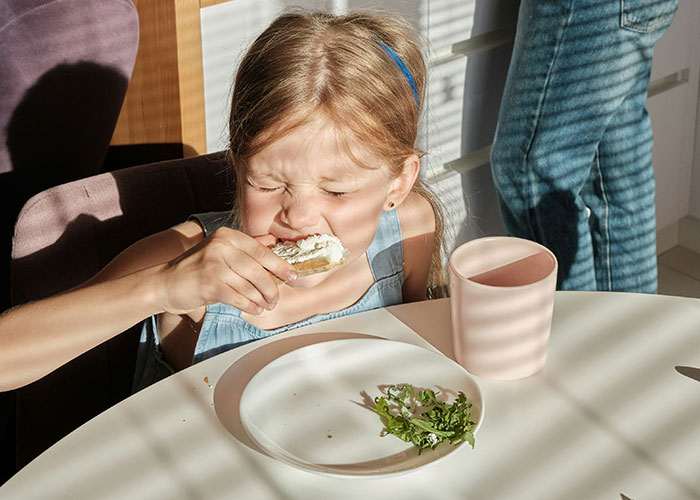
571, 159
224, 329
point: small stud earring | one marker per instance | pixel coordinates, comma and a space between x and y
391, 205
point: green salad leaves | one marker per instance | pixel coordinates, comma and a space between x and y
437, 421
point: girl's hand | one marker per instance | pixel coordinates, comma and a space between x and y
228, 266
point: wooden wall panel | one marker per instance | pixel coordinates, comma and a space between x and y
165, 99
190, 76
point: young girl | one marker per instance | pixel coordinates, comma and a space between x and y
323, 123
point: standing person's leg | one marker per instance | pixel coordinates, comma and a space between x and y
569, 75
622, 188
537, 166
620, 195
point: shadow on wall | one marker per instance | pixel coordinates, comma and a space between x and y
61, 129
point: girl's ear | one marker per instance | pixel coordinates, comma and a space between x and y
401, 186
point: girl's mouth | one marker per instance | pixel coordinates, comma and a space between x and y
293, 238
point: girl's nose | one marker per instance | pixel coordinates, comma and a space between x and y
299, 214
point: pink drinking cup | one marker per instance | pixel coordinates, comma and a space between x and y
501, 301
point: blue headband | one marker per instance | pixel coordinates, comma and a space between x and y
402, 67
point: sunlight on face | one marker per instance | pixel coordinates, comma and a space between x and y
304, 183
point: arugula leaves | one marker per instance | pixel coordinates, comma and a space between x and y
439, 422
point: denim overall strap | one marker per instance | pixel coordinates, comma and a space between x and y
150, 365
385, 253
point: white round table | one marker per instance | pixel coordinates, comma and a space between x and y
609, 417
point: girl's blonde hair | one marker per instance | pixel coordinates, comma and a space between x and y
307, 65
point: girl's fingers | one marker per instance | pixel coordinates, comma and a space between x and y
251, 291
266, 240
235, 299
246, 273
246, 276
275, 264
253, 278
264, 256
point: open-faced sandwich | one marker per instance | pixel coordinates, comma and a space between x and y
314, 254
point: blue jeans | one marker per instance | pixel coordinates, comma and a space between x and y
571, 158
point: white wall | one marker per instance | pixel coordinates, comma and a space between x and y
674, 114
464, 96
692, 28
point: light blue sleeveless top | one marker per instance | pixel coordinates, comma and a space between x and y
224, 329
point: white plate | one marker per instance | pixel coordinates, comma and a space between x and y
310, 407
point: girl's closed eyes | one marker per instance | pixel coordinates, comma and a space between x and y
335, 193
327, 192
268, 189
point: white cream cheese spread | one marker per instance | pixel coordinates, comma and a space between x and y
318, 246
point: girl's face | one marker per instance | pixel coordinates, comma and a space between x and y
304, 184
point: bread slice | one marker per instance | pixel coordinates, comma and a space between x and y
314, 254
